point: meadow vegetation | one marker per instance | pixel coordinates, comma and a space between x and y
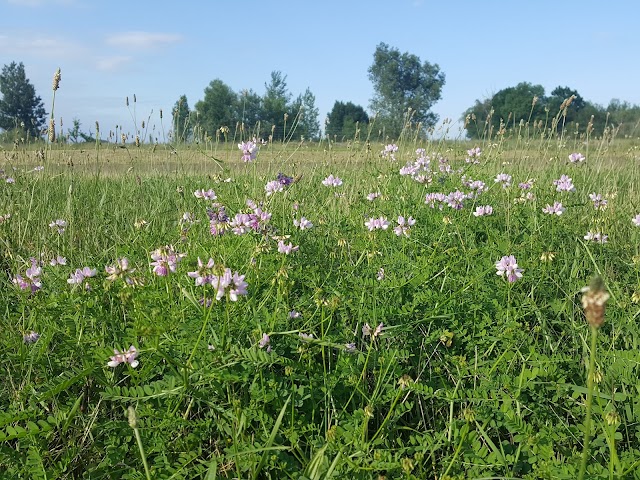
314, 310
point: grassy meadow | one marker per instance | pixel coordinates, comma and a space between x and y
351, 311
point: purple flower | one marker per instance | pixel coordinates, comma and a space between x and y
120, 270
39, 168
287, 248
294, 314
367, 331
403, 227
80, 275
483, 210
305, 337
218, 220
302, 224
389, 151
431, 199
128, 356
203, 273
59, 224
576, 157
507, 266
249, 150
31, 280
599, 203
528, 185
555, 209
377, 223
636, 220
504, 179
206, 194
350, 347
165, 260
264, 342
10, 180
58, 260
284, 179
31, 337
332, 181
380, 274
456, 199
273, 187
564, 184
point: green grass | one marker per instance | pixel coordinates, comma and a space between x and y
471, 377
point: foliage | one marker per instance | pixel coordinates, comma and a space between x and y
405, 89
308, 125
182, 122
20, 107
396, 354
344, 119
219, 108
276, 105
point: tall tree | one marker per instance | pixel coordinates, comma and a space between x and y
20, 107
343, 118
182, 127
308, 123
275, 105
402, 82
219, 108
250, 108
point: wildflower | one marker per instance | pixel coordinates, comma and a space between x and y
119, 270
264, 342
473, 155
508, 266
10, 180
478, 186
403, 227
636, 220
596, 237
594, 298
377, 223
367, 331
31, 280
504, 179
576, 157
59, 224
431, 199
555, 209
380, 274
284, 179
372, 196
249, 150
165, 260
140, 223
456, 199
58, 260
206, 194
564, 184
528, 185
350, 347
234, 282
483, 210
302, 224
31, 337
203, 273
80, 275
389, 151
218, 220
332, 181
39, 168
4, 218
128, 356
273, 187
294, 314
287, 248
305, 337
599, 203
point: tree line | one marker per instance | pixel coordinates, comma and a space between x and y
405, 89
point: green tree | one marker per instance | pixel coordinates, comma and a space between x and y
402, 82
275, 105
305, 107
219, 108
20, 107
182, 126
343, 118
251, 112
567, 103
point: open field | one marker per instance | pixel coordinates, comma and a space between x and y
360, 316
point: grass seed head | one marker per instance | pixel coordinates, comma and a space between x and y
594, 298
56, 80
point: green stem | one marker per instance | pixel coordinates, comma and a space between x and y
587, 420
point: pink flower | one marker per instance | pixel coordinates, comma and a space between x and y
80, 275
58, 260
636, 220
128, 356
564, 184
377, 223
59, 224
576, 157
249, 150
332, 181
165, 260
31, 280
273, 187
483, 210
504, 179
507, 266
207, 195
372, 196
599, 203
596, 237
287, 248
555, 209
403, 227
302, 224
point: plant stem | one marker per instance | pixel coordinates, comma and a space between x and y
587, 420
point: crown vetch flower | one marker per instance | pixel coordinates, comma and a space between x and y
302, 224
555, 209
126, 356
377, 223
564, 184
165, 260
482, 210
206, 194
31, 337
404, 226
287, 248
332, 181
636, 220
31, 280
249, 150
576, 157
507, 266
59, 225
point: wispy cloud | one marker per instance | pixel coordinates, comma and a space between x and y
113, 63
142, 40
26, 43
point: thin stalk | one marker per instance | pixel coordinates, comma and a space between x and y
587, 421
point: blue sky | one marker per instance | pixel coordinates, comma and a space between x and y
159, 50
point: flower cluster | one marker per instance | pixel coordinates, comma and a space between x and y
564, 184
31, 337
332, 181
80, 275
59, 224
389, 151
250, 222
420, 169
504, 179
4, 218
576, 157
599, 203
223, 281
206, 194
126, 356
377, 223
121, 271
473, 155
302, 224
368, 332
507, 266
272, 187
249, 150
57, 260
555, 209
165, 260
483, 210
218, 220
372, 196
31, 280
404, 226
265, 342
596, 237
636, 220
287, 248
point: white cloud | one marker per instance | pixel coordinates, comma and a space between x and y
28, 43
142, 40
110, 64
